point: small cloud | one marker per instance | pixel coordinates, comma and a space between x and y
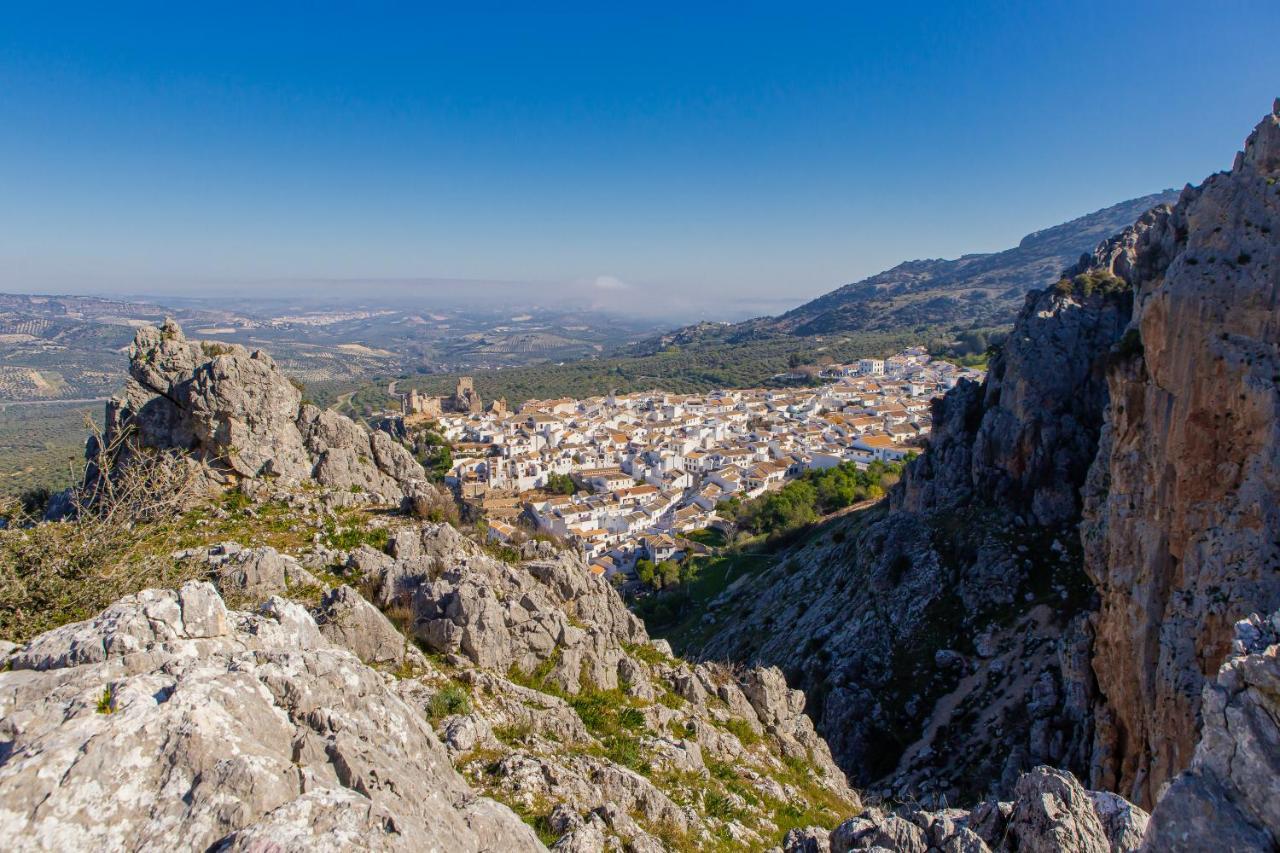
608, 282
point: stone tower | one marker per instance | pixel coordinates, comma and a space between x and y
465, 398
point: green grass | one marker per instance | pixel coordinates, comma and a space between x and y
710, 536
347, 538
52, 574
742, 730
676, 615
449, 701
647, 653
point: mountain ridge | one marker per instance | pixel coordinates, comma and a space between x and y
923, 291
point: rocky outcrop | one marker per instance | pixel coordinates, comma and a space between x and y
328, 728
1050, 812
958, 616
1229, 798
234, 415
169, 721
254, 574
1183, 500
347, 620
548, 612
1024, 440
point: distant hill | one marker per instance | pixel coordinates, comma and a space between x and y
971, 291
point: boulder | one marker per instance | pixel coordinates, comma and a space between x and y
170, 722
234, 415
1052, 812
346, 619
254, 574
1229, 798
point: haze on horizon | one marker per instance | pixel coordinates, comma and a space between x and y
689, 164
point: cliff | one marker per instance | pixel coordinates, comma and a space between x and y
1181, 505
943, 640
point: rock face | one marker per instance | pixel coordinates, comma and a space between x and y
1025, 439
957, 617
237, 416
169, 721
1183, 500
1229, 798
497, 615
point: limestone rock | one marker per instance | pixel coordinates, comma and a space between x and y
1051, 813
1229, 798
255, 574
235, 415
500, 616
216, 728
811, 839
1184, 497
347, 620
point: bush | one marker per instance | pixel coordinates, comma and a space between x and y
1129, 346
561, 484
448, 702
813, 494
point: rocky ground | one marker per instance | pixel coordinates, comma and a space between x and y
529, 683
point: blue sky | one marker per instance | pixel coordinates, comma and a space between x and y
735, 154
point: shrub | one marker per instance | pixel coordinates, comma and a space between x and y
742, 730
211, 349
1129, 346
449, 701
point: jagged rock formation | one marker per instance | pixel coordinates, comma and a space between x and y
1181, 506
961, 609
1050, 813
236, 416
1229, 798
1025, 439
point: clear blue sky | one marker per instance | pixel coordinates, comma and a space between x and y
700, 158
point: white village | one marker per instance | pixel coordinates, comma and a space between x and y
644, 469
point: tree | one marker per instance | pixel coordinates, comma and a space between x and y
645, 571
561, 484
668, 573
